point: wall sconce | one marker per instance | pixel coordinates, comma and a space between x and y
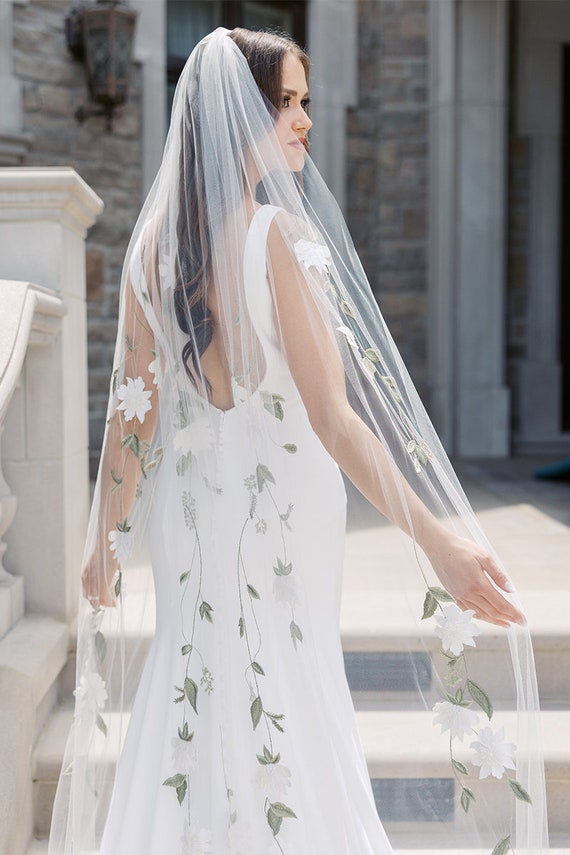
102, 35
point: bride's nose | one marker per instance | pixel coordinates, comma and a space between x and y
302, 121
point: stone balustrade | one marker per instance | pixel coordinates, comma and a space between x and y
30, 318
44, 476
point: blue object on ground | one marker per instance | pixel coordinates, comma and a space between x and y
559, 471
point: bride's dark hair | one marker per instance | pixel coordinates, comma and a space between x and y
264, 53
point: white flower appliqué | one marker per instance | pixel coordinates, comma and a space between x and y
492, 753
313, 254
184, 755
455, 718
273, 779
286, 590
156, 369
134, 399
240, 838
91, 693
456, 629
347, 332
196, 842
121, 544
197, 436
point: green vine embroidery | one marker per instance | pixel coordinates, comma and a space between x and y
457, 712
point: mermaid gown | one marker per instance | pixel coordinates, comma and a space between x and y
242, 738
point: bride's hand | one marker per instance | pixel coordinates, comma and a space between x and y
464, 568
95, 587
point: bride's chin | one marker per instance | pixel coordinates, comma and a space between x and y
296, 161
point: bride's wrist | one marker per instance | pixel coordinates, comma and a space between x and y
436, 540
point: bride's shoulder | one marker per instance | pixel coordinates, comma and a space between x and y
288, 228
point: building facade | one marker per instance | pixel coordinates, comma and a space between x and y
442, 127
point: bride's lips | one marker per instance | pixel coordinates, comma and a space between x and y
298, 143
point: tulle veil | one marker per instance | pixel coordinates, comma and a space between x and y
193, 228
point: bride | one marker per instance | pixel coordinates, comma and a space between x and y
252, 365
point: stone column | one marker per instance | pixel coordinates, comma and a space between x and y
44, 216
542, 29
468, 113
150, 51
333, 45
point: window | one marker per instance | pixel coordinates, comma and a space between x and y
190, 20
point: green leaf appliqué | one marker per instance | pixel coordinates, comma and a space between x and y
191, 691
256, 711
480, 697
519, 791
467, 796
179, 783
502, 846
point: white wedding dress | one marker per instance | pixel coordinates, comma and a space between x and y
242, 738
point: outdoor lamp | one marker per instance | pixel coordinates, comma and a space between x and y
102, 35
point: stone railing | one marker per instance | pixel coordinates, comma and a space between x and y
30, 317
44, 480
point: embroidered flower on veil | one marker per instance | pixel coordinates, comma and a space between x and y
240, 837
455, 718
348, 333
313, 254
121, 544
456, 628
195, 437
196, 842
492, 753
156, 369
273, 779
286, 590
91, 693
184, 754
134, 399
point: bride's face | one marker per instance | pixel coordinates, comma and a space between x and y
293, 123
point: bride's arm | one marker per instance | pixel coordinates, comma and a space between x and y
318, 371
120, 467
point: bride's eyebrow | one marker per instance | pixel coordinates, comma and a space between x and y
293, 92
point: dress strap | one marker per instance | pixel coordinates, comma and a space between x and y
257, 292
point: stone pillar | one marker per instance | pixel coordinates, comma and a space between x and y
468, 120
333, 45
150, 51
44, 217
542, 29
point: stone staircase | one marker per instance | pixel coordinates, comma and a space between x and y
380, 668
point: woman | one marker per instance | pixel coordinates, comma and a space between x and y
252, 365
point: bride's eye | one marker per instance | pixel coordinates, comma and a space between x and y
286, 101
306, 104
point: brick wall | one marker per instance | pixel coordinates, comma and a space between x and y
387, 168
53, 88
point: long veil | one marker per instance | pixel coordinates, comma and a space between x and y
185, 264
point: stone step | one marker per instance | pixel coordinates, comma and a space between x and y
393, 741
40, 847
376, 612
388, 656
387, 652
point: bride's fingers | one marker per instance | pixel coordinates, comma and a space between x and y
498, 576
483, 613
492, 607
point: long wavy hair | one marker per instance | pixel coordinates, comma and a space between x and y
264, 53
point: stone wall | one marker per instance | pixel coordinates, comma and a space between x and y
387, 168
53, 88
